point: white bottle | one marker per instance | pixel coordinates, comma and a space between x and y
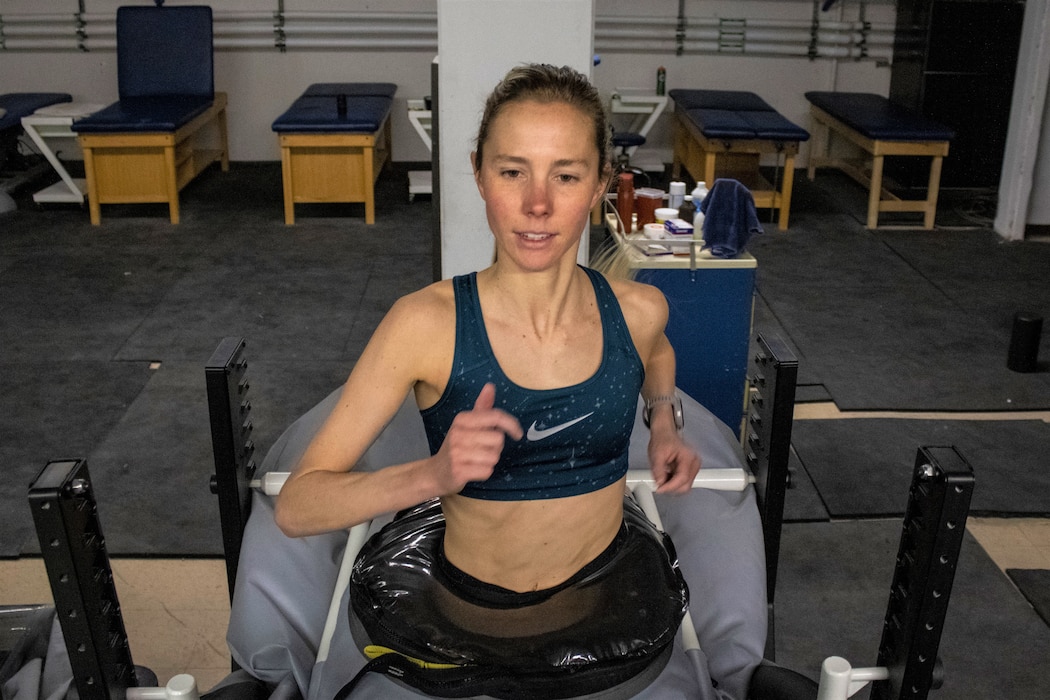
699, 192
676, 194
698, 195
698, 225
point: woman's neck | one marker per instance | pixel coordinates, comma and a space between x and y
541, 300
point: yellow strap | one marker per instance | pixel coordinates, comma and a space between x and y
373, 651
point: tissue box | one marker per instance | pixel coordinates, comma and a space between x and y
678, 227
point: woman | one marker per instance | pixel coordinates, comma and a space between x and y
527, 374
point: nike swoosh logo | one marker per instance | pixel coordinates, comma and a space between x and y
535, 433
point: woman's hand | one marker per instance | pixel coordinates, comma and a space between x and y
474, 442
673, 462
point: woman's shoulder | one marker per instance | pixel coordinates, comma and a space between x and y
436, 298
644, 309
634, 295
419, 314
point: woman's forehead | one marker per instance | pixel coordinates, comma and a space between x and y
551, 119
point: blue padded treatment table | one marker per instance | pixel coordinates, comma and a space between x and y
144, 114
21, 104
14, 106
169, 124
724, 133
880, 128
335, 139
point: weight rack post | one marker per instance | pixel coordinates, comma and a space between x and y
931, 537
74, 552
229, 414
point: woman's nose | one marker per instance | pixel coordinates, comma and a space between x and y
537, 198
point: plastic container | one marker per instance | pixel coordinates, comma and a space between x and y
665, 213
675, 194
654, 231
646, 201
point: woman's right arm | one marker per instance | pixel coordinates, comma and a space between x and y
323, 493
411, 349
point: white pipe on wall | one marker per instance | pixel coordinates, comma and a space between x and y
66, 44
34, 30
44, 17
429, 17
340, 43
245, 28
292, 28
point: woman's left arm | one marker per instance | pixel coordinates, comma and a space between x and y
674, 463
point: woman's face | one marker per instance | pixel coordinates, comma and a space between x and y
539, 180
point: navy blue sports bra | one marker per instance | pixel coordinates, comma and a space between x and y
576, 437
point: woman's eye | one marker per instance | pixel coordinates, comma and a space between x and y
567, 178
511, 173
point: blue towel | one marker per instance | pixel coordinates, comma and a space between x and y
730, 218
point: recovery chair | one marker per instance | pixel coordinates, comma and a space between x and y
289, 634
724, 550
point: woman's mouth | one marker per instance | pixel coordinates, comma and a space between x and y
535, 235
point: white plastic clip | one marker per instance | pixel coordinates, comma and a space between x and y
839, 680
732, 479
180, 687
270, 483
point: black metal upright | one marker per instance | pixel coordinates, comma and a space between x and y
232, 447
771, 405
931, 537
74, 553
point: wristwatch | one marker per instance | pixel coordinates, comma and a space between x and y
676, 405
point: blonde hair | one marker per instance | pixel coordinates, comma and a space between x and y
546, 83
611, 260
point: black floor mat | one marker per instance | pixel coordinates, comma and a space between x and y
862, 467
906, 321
833, 587
54, 410
1034, 585
151, 471
802, 502
85, 311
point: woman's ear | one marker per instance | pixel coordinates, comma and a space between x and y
474, 165
604, 182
